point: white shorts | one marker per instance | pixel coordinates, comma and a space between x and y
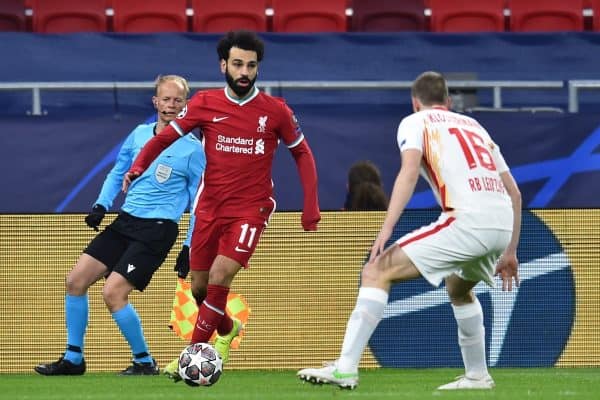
455, 245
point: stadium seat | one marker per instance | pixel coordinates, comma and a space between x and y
546, 15
12, 15
226, 15
67, 16
467, 15
309, 15
388, 15
595, 6
147, 16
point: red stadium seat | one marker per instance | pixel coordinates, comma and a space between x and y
595, 6
467, 15
147, 16
226, 15
388, 15
309, 15
12, 15
546, 15
67, 16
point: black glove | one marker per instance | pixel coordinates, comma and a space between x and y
94, 218
182, 265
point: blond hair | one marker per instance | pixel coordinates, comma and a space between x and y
176, 78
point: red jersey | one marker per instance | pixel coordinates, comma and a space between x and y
240, 139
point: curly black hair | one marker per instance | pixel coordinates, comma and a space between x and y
245, 40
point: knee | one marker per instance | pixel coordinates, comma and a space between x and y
369, 276
219, 276
460, 298
75, 285
113, 297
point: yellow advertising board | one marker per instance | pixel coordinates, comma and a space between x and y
301, 288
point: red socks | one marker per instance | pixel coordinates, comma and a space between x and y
211, 315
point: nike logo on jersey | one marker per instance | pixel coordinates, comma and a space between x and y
130, 267
239, 250
218, 119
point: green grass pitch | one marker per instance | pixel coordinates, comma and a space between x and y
383, 383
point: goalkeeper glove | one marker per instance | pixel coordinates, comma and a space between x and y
94, 218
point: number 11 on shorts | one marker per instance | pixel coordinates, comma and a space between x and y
245, 229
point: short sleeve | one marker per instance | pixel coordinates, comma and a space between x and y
410, 133
501, 165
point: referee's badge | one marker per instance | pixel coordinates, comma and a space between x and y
162, 173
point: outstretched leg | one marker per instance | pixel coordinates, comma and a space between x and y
392, 266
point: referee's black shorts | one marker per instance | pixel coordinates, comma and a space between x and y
134, 247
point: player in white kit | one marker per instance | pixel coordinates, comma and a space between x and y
475, 237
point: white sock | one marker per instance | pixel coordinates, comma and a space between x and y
367, 313
471, 338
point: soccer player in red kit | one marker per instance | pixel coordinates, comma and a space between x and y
242, 128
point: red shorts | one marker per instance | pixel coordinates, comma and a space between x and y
234, 237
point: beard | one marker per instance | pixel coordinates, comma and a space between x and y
240, 91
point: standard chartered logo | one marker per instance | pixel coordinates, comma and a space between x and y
260, 147
240, 145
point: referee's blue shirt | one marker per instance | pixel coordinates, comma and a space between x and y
167, 187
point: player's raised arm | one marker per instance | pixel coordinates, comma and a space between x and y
149, 152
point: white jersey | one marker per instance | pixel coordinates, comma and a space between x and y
461, 163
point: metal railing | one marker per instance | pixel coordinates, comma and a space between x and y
574, 87
497, 87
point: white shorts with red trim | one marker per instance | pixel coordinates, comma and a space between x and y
455, 245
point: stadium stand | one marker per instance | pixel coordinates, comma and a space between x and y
467, 15
66, 16
12, 15
388, 15
594, 5
546, 16
225, 15
309, 16
134, 16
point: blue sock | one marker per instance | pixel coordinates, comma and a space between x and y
131, 327
76, 319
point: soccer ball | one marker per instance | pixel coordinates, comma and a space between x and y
200, 365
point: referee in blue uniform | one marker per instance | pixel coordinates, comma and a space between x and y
130, 249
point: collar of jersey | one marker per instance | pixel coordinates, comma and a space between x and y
246, 99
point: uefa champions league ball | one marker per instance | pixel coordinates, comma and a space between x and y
200, 365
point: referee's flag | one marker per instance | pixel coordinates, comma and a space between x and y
185, 311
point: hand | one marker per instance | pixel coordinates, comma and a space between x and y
94, 218
182, 265
507, 268
379, 244
310, 223
127, 179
